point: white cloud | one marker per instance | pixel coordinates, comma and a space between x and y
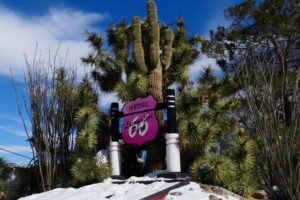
202, 62
11, 118
15, 148
66, 24
11, 130
107, 98
62, 28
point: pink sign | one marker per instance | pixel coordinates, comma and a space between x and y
140, 123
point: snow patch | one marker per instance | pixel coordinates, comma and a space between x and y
131, 189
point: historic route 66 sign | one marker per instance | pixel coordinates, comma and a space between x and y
140, 123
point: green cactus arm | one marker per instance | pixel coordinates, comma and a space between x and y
152, 12
154, 34
155, 83
138, 51
167, 49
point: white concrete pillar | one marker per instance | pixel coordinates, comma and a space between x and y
115, 158
173, 152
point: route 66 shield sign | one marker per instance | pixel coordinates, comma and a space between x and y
140, 123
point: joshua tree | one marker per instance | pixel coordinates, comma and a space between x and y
215, 146
86, 169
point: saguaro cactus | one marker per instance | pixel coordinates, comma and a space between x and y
157, 62
153, 61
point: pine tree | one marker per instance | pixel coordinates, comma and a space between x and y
87, 97
204, 115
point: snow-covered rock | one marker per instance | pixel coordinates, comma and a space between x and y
102, 156
130, 190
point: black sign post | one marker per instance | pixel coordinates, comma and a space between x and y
114, 121
114, 146
171, 111
172, 137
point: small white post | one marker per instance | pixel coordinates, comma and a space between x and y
115, 158
173, 152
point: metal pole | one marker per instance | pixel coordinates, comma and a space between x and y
172, 137
171, 111
114, 121
114, 146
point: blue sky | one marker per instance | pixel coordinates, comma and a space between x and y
61, 23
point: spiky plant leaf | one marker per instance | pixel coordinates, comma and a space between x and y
189, 102
215, 169
118, 37
136, 85
246, 185
86, 170
194, 132
138, 82
197, 134
214, 102
86, 140
243, 152
123, 93
233, 186
207, 76
95, 40
87, 118
106, 81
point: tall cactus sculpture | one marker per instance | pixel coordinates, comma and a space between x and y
156, 62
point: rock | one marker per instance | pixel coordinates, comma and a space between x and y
213, 197
102, 156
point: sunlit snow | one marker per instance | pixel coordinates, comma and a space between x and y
130, 190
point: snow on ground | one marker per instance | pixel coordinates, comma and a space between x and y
130, 190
